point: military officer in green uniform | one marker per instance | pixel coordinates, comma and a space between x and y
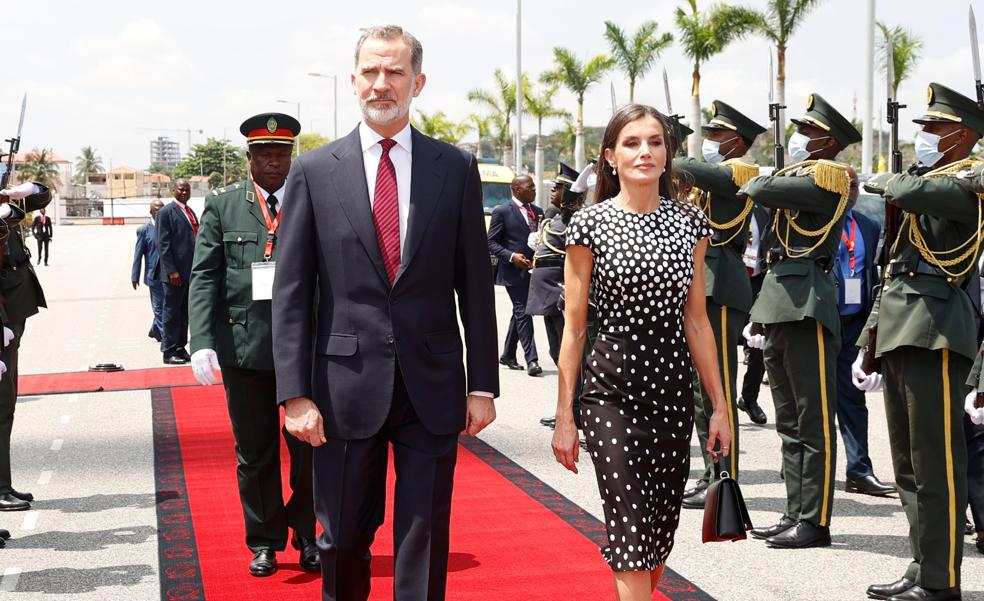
230, 318
21, 297
798, 308
715, 183
926, 340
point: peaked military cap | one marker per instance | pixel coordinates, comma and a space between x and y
727, 117
948, 106
819, 113
566, 175
680, 132
270, 128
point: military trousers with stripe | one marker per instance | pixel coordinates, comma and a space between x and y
801, 360
924, 391
727, 324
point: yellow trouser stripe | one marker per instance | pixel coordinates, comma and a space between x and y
948, 437
733, 451
826, 426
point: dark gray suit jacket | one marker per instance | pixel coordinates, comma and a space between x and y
175, 243
327, 249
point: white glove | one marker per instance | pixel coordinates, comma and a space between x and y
203, 362
976, 415
531, 239
5, 210
864, 381
3, 369
21, 191
8, 336
756, 341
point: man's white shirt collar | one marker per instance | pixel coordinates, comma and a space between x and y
370, 138
279, 193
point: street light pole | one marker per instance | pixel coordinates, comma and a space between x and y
334, 80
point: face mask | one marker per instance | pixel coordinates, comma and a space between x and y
928, 147
797, 147
712, 151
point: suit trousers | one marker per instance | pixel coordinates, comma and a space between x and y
975, 470
800, 357
727, 324
251, 396
174, 318
555, 333
852, 412
924, 396
520, 325
8, 402
157, 306
43, 244
350, 502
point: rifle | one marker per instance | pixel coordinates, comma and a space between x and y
775, 115
13, 148
675, 120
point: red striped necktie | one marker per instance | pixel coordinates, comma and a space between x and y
191, 218
386, 211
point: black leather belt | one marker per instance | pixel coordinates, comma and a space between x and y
550, 261
911, 268
779, 254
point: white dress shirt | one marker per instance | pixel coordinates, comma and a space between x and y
401, 155
279, 194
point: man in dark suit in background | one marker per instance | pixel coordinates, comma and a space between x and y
145, 253
43, 232
177, 226
509, 233
856, 280
377, 262
754, 259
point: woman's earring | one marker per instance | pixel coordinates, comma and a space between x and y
613, 170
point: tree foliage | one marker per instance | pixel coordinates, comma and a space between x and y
41, 169
576, 75
311, 140
438, 125
636, 54
207, 159
906, 51
87, 163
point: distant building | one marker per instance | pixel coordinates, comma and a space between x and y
124, 182
165, 151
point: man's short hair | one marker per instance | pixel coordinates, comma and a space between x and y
392, 32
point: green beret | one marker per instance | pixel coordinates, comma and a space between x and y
724, 116
947, 106
819, 113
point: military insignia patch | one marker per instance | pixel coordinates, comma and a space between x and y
271, 125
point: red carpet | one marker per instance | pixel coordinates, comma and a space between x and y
98, 381
505, 544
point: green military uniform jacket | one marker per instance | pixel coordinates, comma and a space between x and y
797, 288
222, 313
929, 310
727, 278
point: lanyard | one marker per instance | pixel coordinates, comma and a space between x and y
850, 244
272, 224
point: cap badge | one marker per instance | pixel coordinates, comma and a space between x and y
271, 125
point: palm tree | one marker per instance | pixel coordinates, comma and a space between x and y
482, 126
577, 76
41, 169
541, 107
704, 34
781, 19
87, 163
438, 125
501, 102
906, 51
636, 55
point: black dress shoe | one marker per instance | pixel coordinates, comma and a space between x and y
533, 368
310, 558
801, 536
918, 593
174, 360
869, 485
884, 591
23, 496
264, 563
968, 527
510, 363
183, 354
696, 501
4, 534
783, 525
701, 485
9, 502
753, 410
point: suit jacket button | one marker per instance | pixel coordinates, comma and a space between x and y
232, 321
239, 239
389, 339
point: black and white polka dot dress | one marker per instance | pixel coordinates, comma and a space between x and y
637, 406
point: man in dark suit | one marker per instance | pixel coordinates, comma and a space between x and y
856, 280
235, 253
376, 263
145, 254
509, 234
21, 297
177, 226
43, 232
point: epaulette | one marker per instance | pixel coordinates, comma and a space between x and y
832, 177
741, 172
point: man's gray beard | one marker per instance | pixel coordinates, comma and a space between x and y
388, 115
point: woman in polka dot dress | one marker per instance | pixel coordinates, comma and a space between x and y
642, 252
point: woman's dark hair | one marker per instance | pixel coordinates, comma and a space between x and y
607, 185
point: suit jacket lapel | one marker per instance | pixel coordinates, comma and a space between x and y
349, 180
426, 184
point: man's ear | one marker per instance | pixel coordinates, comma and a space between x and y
418, 84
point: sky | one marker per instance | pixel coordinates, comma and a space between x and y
115, 74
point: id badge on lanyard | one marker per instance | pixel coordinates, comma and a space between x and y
852, 283
263, 272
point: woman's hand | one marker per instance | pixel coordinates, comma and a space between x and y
565, 441
719, 431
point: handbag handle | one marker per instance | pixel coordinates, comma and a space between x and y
718, 472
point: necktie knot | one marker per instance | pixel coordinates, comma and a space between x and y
387, 144
272, 204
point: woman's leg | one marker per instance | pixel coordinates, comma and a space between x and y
633, 586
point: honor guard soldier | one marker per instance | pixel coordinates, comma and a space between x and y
230, 316
798, 308
926, 323
715, 184
20, 297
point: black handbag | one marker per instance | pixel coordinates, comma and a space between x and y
725, 515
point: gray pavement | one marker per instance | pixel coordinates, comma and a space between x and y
94, 535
